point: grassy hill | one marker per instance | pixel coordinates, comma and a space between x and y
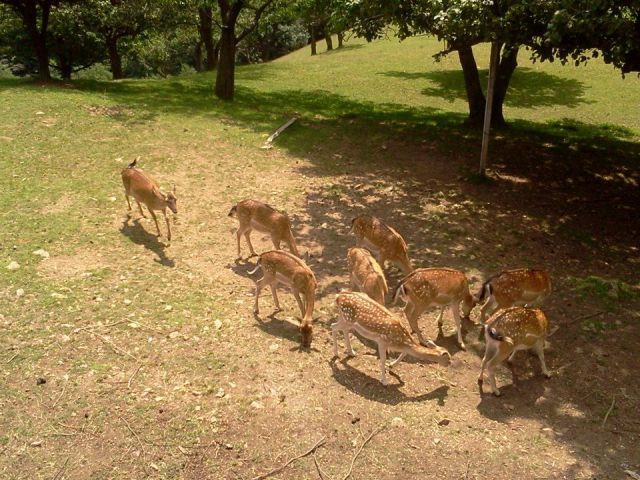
125, 357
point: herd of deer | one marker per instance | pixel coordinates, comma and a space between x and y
508, 297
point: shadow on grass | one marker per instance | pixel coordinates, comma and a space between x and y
372, 389
528, 88
137, 234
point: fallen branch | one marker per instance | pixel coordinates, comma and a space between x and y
353, 460
144, 452
613, 403
584, 317
106, 325
272, 137
279, 469
131, 378
116, 348
64, 387
60, 472
11, 359
320, 472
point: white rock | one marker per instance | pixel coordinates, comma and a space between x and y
168, 308
127, 301
174, 334
13, 266
19, 292
217, 324
220, 393
397, 422
58, 295
41, 253
257, 405
274, 346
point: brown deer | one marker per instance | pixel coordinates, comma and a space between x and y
441, 287
373, 234
357, 312
521, 287
252, 214
510, 330
366, 274
144, 189
279, 266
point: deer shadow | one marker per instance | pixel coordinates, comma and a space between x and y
138, 235
372, 389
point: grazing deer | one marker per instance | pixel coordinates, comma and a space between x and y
441, 287
252, 214
510, 330
521, 287
357, 312
279, 266
373, 234
145, 189
366, 274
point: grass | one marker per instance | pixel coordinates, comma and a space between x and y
123, 327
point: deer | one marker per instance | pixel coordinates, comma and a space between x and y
510, 330
279, 266
441, 287
253, 214
366, 274
521, 287
144, 189
375, 235
360, 313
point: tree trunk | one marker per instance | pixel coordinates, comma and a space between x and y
507, 66
114, 58
65, 67
340, 39
38, 36
312, 36
206, 36
329, 41
197, 56
226, 64
475, 97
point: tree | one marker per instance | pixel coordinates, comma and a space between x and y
35, 16
230, 13
205, 29
551, 28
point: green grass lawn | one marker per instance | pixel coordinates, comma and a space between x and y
139, 341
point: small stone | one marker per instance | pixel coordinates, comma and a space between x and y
41, 253
444, 422
220, 393
174, 335
37, 443
274, 346
436, 441
217, 324
397, 422
19, 292
127, 301
257, 405
39, 113
228, 446
168, 308
13, 266
58, 295
112, 199
40, 381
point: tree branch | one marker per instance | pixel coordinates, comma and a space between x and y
256, 18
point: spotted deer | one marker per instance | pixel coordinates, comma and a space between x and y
279, 266
366, 274
440, 287
510, 330
144, 189
373, 234
252, 214
357, 312
521, 287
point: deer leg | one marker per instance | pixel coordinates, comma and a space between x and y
488, 308
511, 357
440, 317
397, 360
382, 351
539, 349
502, 352
259, 286
247, 236
334, 334
276, 242
275, 296
381, 260
164, 212
347, 344
140, 207
455, 308
155, 219
300, 303
412, 316
128, 202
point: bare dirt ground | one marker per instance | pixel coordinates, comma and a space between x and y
209, 391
